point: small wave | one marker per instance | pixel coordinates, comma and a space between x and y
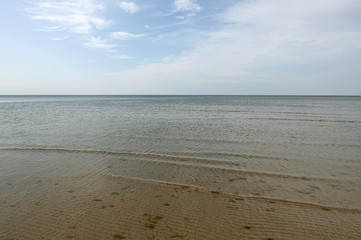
307, 120
149, 155
181, 161
125, 154
238, 197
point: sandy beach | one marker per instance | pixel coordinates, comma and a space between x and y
76, 199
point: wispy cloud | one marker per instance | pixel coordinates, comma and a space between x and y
125, 35
123, 56
190, 7
79, 16
128, 7
99, 43
186, 6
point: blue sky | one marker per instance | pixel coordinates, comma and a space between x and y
180, 47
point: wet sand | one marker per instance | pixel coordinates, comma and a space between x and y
76, 198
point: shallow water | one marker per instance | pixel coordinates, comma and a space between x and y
303, 149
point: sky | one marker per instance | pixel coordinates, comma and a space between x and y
247, 47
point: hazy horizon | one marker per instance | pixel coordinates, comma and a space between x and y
174, 95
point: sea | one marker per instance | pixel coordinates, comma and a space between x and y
303, 149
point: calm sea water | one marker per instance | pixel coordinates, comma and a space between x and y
305, 149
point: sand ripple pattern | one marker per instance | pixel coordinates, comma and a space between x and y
223, 177
70, 194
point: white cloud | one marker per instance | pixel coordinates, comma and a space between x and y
81, 17
128, 7
125, 35
99, 43
319, 15
123, 56
189, 6
78, 16
186, 5
275, 44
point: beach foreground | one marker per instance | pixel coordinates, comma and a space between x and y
76, 199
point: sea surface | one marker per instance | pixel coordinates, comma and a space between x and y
295, 148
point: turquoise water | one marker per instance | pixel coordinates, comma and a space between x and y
305, 149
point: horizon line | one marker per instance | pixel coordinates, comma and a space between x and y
280, 95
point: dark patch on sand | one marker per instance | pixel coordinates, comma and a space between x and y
151, 221
118, 236
177, 236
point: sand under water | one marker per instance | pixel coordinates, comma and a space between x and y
180, 168
79, 198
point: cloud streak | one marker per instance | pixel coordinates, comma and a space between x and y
128, 7
125, 35
97, 43
186, 6
78, 17
123, 56
182, 6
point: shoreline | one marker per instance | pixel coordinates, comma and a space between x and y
72, 195
95, 206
